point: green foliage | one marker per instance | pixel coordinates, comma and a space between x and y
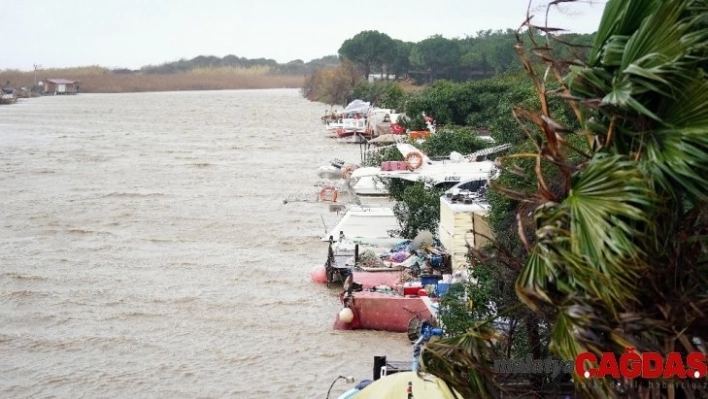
490, 51
488, 54
295, 67
435, 55
611, 211
397, 188
445, 101
455, 313
375, 157
485, 104
381, 94
398, 61
418, 210
367, 50
447, 140
466, 303
413, 122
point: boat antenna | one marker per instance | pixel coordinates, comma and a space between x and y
324, 224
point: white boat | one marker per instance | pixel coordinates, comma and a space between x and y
445, 173
448, 172
360, 122
370, 190
360, 229
365, 225
463, 206
352, 119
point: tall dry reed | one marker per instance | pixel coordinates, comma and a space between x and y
94, 79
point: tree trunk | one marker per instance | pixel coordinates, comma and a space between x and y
533, 337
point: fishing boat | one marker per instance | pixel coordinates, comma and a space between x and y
360, 122
412, 293
362, 229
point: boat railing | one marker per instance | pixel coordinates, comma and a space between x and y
393, 367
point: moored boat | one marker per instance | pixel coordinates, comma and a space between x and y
397, 379
394, 301
383, 310
8, 95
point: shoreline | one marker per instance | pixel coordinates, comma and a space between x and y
98, 80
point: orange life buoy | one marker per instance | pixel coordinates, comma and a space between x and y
329, 194
346, 172
417, 162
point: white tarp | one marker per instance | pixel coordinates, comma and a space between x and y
357, 106
365, 223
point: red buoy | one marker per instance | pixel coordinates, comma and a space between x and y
319, 274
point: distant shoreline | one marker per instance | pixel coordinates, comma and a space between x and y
100, 80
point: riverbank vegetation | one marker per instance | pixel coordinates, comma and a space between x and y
599, 212
199, 73
610, 210
392, 73
102, 80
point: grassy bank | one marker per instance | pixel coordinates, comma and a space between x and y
102, 80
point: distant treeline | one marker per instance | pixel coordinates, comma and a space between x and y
488, 54
295, 67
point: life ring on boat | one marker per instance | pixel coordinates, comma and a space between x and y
346, 172
329, 194
414, 160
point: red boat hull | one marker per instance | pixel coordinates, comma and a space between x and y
370, 280
385, 312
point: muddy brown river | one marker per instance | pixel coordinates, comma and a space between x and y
145, 250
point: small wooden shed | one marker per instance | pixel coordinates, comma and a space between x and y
60, 86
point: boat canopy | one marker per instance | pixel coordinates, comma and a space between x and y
365, 223
358, 107
394, 386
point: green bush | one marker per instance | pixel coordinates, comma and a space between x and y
388, 95
418, 209
461, 139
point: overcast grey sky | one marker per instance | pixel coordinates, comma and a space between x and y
135, 33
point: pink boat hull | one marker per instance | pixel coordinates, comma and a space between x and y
370, 280
384, 312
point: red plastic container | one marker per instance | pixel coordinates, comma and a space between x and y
412, 288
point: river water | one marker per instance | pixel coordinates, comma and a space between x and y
145, 250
